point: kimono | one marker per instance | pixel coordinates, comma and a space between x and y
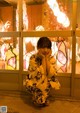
37, 82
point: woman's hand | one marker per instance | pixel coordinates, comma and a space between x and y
44, 54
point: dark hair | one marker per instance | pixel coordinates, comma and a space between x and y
44, 42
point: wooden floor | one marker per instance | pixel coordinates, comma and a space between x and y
22, 104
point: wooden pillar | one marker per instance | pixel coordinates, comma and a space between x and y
20, 2
74, 22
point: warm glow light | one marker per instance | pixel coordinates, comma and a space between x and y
63, 19
66, 23
56, 11
4, 26
25, 18
61, 16
51, 2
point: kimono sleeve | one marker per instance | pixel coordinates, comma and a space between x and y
35, 70
52, 74
52, 67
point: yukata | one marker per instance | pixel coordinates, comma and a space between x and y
37, 83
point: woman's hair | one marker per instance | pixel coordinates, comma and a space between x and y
44, 42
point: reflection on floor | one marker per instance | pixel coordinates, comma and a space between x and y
17, 103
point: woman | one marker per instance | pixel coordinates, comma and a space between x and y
41, 73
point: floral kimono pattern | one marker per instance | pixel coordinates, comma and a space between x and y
37, 83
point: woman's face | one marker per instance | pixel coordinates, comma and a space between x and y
45, 51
